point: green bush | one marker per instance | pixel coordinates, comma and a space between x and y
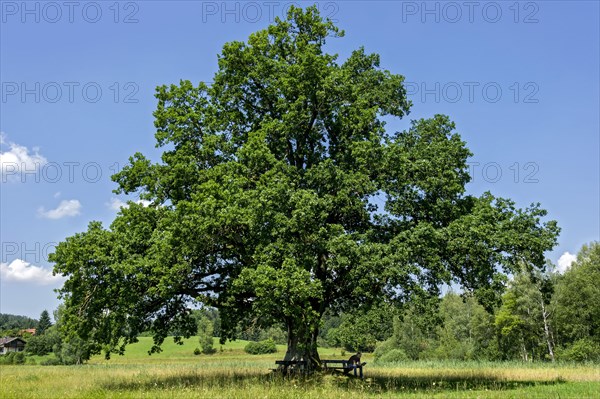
206, 341
53, 361
205, 332
13, 358
41, 345
197, 351
395, 355
76, 351
19, 358
581, 351
262, 347
8, 359
384, 347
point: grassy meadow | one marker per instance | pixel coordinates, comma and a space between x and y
231, 373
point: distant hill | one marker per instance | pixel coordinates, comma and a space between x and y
11, 321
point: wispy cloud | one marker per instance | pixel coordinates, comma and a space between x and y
116, 203
64, 209
20, 271
565, 261
18, 159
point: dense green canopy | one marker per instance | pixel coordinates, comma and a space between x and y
281, 194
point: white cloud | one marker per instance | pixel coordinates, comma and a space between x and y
18, 159
116, 204
65, 208
20, 271
565, 261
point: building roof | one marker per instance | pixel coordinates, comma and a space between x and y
6, 340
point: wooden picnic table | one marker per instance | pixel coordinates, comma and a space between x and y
333, 365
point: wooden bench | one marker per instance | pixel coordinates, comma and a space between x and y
285, 366
345, 366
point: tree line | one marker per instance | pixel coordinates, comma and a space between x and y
49, 338
11, 324
543, 316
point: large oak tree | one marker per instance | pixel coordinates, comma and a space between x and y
281, 194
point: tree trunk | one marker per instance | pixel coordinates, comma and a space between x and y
302, 345
524, 349
547, 331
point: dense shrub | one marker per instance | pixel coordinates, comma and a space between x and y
75, 351
53, 361
262, 347
395, 355
13, 358
581, 351
41, 345
384, 347
8, 358
205, 333
19, 358
206, 342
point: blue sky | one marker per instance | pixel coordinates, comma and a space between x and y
520, 79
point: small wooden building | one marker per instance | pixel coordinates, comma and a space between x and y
11, 344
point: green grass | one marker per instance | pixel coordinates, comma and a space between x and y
178, 373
